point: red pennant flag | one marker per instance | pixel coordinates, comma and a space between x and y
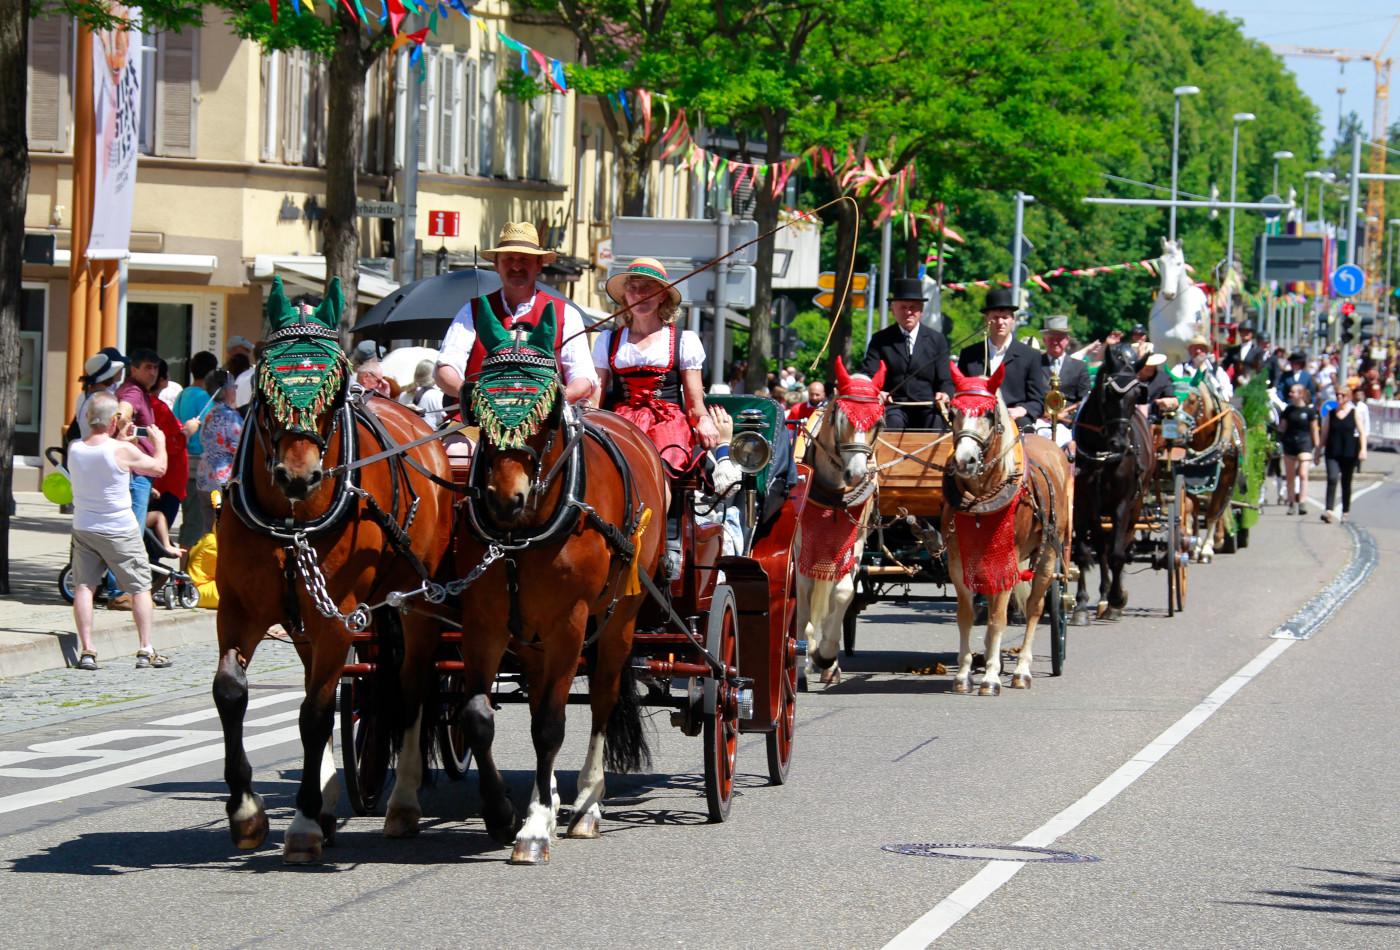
396, 15
272, 4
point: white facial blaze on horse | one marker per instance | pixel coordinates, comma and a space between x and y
1006, 520
1181, 310
831, 533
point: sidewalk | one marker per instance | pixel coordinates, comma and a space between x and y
36, 623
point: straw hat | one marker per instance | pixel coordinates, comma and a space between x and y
1198, 340
518, 237
647, 267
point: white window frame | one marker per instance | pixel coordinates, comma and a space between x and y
428, 92
400, 111
450, 135
471, 109
558, 136
149, 50
486, 115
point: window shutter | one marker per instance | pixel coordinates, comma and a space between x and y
48, 84
400, 110
558, 137
470, 131
450, 133
178, 77
322, 106
271, 105
427, 112
534, 140
486, 160
373, 117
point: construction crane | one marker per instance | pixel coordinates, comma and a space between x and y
1380, 117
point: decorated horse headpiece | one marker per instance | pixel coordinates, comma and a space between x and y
858, 397
303, 369
519, 377
975, 396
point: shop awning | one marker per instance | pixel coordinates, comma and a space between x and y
151, 261
308, 274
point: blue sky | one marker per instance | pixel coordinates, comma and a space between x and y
1351, 24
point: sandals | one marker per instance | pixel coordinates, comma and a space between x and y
87, 661
151, 660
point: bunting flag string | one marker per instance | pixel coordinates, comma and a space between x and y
1041, 280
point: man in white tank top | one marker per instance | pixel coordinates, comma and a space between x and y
105, 532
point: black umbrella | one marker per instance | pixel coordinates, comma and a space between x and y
424, 309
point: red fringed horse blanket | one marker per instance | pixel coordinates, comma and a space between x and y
829, 538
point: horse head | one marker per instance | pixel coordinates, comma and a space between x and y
846, 437
979, 420
1171, 266
1115, 389
518, 400
300, 386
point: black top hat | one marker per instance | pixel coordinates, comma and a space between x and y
1000, 298
907, 288
1246, 327
1138, 328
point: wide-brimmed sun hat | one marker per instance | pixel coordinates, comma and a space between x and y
647, 267
518, 237
101, 367
1198, 340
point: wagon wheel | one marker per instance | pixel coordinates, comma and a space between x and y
451, 736
364, 745
1059, 627
721, 733
1177, 568
779, 741
848, 629
65, 582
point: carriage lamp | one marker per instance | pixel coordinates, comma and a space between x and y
1171, 430
749, 449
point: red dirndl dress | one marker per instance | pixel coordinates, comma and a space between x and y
650, 398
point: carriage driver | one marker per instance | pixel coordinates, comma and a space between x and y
519, 258
1073, 377
1023, 385
915, 358
1199, 359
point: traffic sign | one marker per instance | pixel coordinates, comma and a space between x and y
444, 223
1348, 280
1272, 215
826, 299
682, 239
826, 280
367, 208
740, 283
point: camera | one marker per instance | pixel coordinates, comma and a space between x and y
142, 432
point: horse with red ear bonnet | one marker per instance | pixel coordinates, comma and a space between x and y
831, 534
1006, 518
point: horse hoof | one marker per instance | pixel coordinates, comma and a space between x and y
302, 847
962, 687
832, 676
585, 826
328, 825
1113, 613
1021, 681
503, 828
1080, 618
400, 822
1102, 610
820, 662
532, 851
989, 689
249, 833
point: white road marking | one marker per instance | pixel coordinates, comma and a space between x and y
957, 905
272, 699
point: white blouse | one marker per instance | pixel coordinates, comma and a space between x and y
655, 354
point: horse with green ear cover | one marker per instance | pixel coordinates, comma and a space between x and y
519, 381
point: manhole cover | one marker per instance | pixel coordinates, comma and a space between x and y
989, 852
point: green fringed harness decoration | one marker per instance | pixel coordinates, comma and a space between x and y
303, 369
519, 379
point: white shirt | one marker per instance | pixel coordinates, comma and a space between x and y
1056, 364
427, 400
169, 394
629, 355
574, 359
101, 489
243, 393
995, 356
1187, 369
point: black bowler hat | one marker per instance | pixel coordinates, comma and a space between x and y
907, 288
1138, 328
1246, 327
1000, 298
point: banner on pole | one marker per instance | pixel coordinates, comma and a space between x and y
116, 99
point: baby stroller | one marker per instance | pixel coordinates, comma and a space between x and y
170, 586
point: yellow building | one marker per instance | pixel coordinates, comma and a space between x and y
230, 186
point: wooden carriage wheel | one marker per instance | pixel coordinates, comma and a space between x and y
779, 741
451, 735
721, 732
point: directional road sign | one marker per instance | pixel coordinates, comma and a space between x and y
740, 283
687, 239
1348, 280
826, 299
826, 280
367, 208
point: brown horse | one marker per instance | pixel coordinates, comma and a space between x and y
1006, 515
305, 543
1217, 442
573, 509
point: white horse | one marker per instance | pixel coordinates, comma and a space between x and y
843, 478
1181, 309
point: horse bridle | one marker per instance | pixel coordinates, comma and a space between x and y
837, 457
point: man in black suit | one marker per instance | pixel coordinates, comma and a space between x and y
1073, 374
1023, 384
915, 358
1245, 358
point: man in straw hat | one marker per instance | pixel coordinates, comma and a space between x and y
1023, 383
1199, 360
519, 258
1072, 378
915, 359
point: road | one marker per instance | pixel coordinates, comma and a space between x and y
1234, 789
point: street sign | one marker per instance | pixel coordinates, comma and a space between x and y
740, 285
1026, 247
1291, 258
1272, 215
366, 208
1347, 280
826, 299
826, 280
444, 223
693, 240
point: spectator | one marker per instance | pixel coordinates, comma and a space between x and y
1297, 374
101, 373
135, 407
168, 491
240, 366
425, 396
105, 531
1344, 447
364, 362
737, 372
191, 407
242, 354
223, 428
816, 398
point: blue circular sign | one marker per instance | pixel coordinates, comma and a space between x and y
1348, 280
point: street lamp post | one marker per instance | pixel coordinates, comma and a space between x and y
1239, 118
1177, 93
1389, 264
1279, 156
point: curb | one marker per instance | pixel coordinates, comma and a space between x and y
59, 649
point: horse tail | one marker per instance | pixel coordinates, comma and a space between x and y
388, 690
625, 746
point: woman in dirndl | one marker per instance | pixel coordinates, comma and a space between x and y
651, 370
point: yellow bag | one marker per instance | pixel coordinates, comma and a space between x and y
204, 556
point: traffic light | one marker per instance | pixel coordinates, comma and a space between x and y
1368, 332
1348, 321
